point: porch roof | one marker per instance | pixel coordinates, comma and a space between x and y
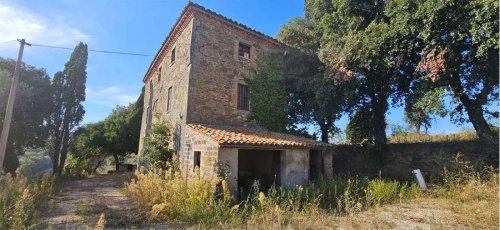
254, 136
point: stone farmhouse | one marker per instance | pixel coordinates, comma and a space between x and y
196, 84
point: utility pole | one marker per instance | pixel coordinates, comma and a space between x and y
10, 104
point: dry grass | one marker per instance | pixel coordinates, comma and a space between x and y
425, 138
20, 200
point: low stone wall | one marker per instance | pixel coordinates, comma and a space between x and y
400, 159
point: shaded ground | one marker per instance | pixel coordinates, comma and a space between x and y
79, 203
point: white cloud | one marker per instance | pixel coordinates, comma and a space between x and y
18, 22
110, 96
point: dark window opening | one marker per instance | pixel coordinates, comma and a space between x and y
244, 50
172, 56
243, 98
159, 74
197, 159
169, 99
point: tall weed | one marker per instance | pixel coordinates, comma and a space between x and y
20, 200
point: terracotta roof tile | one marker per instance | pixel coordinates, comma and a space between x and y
253, 136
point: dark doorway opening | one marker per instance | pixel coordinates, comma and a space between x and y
315, 165
257, 165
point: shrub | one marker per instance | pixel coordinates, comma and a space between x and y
464, 182
20, 199
168, 195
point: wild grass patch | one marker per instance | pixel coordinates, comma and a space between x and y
170, 195
20, 200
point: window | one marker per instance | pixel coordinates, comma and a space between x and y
172, 56
243, 98
159, 74
197, 159
244, 50
169, 99
154, 105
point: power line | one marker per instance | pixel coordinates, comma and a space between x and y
97, 51
8, 41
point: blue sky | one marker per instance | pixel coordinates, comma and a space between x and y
129, 26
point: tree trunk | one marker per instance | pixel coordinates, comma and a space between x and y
64, 149
56, 151
324, 133
475, 112
117, 162
476, 117
378, 119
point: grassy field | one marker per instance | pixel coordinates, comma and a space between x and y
464, 199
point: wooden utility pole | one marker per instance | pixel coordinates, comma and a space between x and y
10, 105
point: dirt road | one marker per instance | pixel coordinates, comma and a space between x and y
79, 203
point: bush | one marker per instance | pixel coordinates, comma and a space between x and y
20, 199
167, 195
462, 181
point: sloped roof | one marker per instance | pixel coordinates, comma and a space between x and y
254, 136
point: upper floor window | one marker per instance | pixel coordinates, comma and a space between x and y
169, 99
243, 98
159, 74
244, 50
172, 56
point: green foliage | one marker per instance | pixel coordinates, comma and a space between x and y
87, 149
268, 94
21, 200
68, 93
359, 130
31, 110
156, 147
459, 46
422, 105
117, 136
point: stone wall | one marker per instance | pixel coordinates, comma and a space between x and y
173, 74
218, 69
229, 156
401, 159
209, 149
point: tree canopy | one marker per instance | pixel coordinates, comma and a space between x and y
31, 110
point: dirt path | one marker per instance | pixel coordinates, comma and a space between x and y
79, 203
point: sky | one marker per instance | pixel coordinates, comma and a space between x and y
135, 27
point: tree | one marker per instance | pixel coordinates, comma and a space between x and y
460, 52
422, 105
87, 149
68, 89
317, 95
31, 110
268, 94
117, 135
157, 151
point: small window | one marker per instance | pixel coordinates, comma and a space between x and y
154, 105
169, 99
159, 74
172, 56
197, 159
243, 98
244, 50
